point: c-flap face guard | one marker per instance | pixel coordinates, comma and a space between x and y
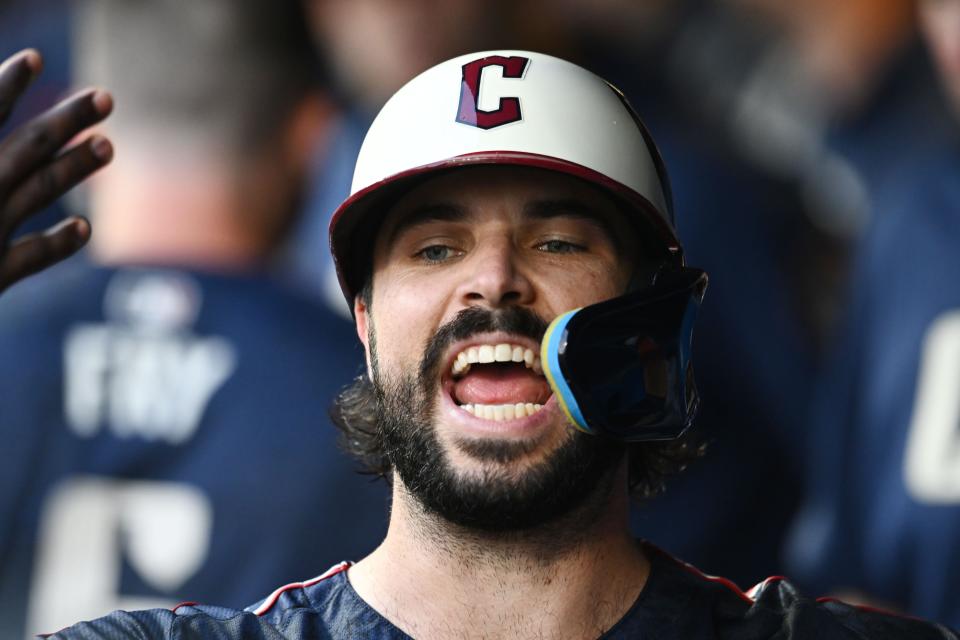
621, 368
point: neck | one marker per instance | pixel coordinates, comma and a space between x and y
569, 579
184, 214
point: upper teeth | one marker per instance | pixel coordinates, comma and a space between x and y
503, 352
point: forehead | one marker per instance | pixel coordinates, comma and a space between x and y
515, 193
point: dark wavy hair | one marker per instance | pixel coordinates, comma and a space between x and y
354, 413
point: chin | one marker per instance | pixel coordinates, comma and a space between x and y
511, 484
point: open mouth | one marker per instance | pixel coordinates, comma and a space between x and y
499, 381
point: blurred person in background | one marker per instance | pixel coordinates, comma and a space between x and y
882, 519
835, 100
825, 97
164, 402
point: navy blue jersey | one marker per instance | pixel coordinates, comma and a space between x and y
166, 438
678, 602
883, 515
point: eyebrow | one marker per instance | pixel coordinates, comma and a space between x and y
566, 208
572, 208
434, 212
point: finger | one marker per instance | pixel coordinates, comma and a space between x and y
51, 181
37, 251
37, 141
16, 72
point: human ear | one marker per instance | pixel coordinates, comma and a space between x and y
362, 320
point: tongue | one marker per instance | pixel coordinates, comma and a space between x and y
501, 384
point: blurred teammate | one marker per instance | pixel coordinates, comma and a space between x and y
164, 406
883, 515
483, 208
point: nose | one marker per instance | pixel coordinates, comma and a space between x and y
496, 277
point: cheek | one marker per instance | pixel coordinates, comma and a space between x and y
588, 284
405, 318
609, 281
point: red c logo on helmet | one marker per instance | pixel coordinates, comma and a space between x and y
509, 108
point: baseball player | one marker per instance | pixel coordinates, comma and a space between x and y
509, 254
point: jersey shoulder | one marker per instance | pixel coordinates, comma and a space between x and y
329, 603
827, 618
305, 594
187, 622
315, 608
680, 601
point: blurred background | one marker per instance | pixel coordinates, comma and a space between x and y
815, 166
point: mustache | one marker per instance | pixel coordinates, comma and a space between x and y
473, 320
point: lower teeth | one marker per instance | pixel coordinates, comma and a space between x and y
499, 412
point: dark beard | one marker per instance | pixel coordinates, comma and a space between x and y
493, 501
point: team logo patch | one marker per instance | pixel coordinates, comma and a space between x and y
508, 109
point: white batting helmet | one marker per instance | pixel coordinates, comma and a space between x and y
502, 108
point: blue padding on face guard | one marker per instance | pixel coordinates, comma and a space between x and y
550, 358
621, 368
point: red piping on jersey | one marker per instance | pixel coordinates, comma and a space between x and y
272, 599
184, 604
689, 568
752, 591
723, 581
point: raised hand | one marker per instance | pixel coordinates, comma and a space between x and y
37, 167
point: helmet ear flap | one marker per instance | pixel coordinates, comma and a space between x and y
622, 368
